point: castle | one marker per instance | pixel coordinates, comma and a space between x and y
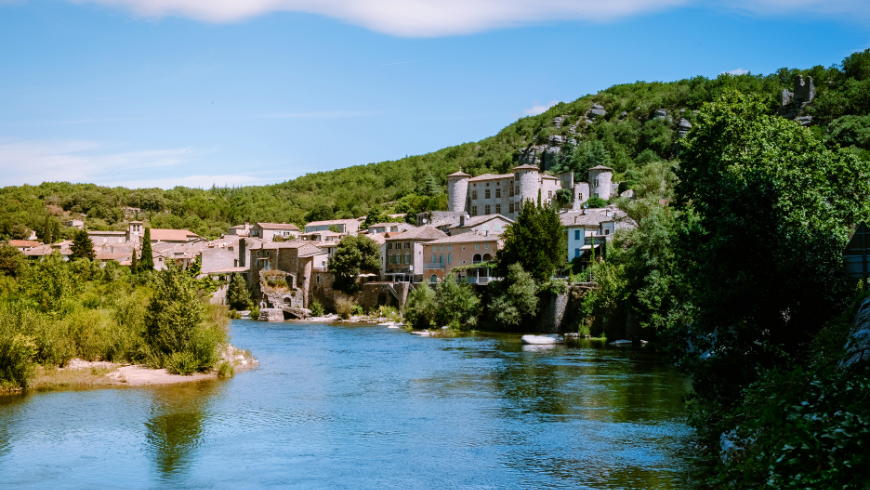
504, 193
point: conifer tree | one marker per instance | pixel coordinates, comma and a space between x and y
47, 236
146, 263
134, 265
82, 247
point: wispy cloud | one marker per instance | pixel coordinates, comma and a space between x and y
738, 71
318, 114
34, 162
539, 108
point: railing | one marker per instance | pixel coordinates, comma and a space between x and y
595, 240
480, 280
433, 266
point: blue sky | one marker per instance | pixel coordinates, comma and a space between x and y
146, 93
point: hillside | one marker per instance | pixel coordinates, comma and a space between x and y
622, 131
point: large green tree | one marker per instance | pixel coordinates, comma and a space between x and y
515, 299
82, 247
238, 296
354, 255
774, 210
146, 262
537, 241
12, 261
458, 305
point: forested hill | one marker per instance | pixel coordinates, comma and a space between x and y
627, 137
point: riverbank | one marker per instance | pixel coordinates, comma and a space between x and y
79, 374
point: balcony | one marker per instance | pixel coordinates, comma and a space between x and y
437, 266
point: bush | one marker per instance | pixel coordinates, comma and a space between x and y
344, 308
358, 310
554, 286
422, 307
596, 202
226, 370
316, 308
16, 360
255, 312
458, 306
514, 299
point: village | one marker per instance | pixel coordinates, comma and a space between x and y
461, 241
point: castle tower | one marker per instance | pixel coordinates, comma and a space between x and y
457, 191
135, 231
600, 178
581, 195
526, 177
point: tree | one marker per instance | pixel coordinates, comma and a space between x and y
422, 306
515, 299
195, 267
596, 202
238, 296
354, 255
564, 197
428, 186
82, 247
458, 306
857, 65
375, 215
12, 261
537, 241
320, 212
146, 262
20, 232
134, 263
774, 209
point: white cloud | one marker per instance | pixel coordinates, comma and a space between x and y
539, 108
739, 71
429, 18
34, 162
407, 18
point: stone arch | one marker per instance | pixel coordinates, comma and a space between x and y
475, 259
487, 257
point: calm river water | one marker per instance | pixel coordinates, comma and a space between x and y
365, 407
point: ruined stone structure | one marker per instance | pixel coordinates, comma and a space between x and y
794, 103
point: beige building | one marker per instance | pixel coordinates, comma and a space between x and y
269, 231
382, 228
492, 224
468, 249
344, 226
403, 253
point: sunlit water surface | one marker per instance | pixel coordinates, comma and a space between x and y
366, 407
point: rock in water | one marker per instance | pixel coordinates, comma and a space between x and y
540, 340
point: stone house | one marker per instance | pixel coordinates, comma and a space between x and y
467, 249
344, 226
296, 259
269, 231
240, 230
23, 245
74, 223
592, 228
492, 224
382, 228
101, 238
404, 253
322, 236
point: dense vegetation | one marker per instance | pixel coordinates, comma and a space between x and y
53, 311
627, 138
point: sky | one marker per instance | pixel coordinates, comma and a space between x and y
159, 93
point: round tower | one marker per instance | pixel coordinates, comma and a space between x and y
457, 191
600, 178
526, 176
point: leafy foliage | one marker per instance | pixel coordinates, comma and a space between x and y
238, 296
458, 305
12, 261
146, 263
422, 307
515, 299
536, 241
82, 247
354, 255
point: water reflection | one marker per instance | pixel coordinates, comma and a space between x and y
176, 427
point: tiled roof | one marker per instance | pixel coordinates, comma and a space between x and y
427, 232
277, 226
230, 270
601, 167
465, 238
459, 174
113, 256
276, 245
24, 243
491, 177
526, 167
164, 235
310, 250
378, 225
477, 220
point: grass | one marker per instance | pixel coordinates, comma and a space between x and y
55, 379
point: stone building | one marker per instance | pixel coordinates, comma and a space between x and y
404, 253
493, 224
504, 194
445, 254
344, 226
296, 260
270, 231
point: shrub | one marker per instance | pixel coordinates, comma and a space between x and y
596, 202
16, 360
316, 308
226, 370
554, 286
421, 308
344, 308
514, 299
458, 306
255, 312
358, 310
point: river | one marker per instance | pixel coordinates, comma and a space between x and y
366, 407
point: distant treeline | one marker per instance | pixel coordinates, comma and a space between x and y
627, 138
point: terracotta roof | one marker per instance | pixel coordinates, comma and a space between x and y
333, 222
378, 238
321, 233
277, 226
465, 238
601, 167
24, 243
459, 174
526, 167
546, 176
38, 251
310, 250
477, 220
491, 177
377, 225
427, 232
276, 245
163, 235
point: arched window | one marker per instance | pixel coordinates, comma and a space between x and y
433, 279
475, 259
487, 257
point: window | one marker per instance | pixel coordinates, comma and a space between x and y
474, 210
442, 248
486, 208
449, 247
441, 259
463, 249
433, 279
549, 194
486, 246
498, 209
389, 246
433, 258
486, 194
576, 252
474, 194
317, 279
576, 234
434, 248
477, 246
407, 259
407, 244
449, 257
511, 208
580, 196
595, 194
498, 193
595, 182
517, 189
511, 194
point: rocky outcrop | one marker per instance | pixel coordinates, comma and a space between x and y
557, 121
794, 103
661, 114
597, 110
858, 345
683, 128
